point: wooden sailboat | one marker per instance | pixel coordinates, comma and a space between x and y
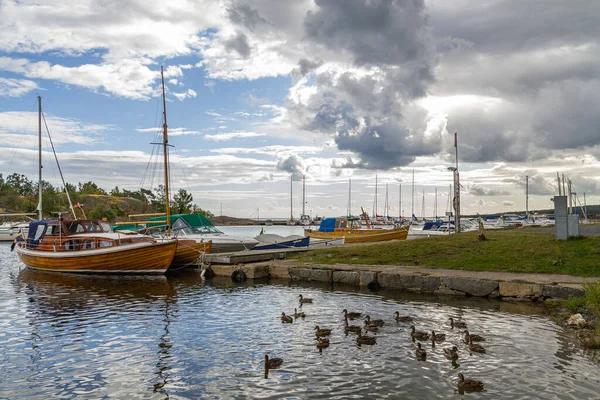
90, 246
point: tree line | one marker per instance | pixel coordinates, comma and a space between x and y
19, 194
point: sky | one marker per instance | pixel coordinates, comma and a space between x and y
261, 93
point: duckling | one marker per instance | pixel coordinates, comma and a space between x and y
475, 347
351, 328
437, 337
475, 338
322, 332
418, 334
286, 318
370, 328
273, 362
451, 353
405, 318
457, 324
468, 384
304, 299
360, 339
298, 314
374, 322
322, 343
421, 353
351, 315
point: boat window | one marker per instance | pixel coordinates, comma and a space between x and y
204, 229
104, 243
180, 224
88, 244
105, 226
39, 232
74, 227
71, 245
52, 230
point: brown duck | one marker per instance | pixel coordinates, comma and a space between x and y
304, 299
474, 338
451, 353
421, 353
475, 347
437, 337
298, 314
370, 328
351, 328
457, 324
360, 339
322, 343
405, 318
351, 315
322, 332
468, 384
286, 318
418, 334
374, 322
272, 362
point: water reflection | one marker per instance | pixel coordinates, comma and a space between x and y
181, 337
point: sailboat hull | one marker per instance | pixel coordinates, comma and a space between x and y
361, 235
189, 253
134, 258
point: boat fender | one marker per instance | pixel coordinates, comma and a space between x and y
373, 286
208, 273
238, 276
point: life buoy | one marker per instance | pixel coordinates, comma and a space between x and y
208, 273
238, 276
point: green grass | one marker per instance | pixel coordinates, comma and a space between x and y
512, 251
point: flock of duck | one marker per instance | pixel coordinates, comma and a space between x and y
373, 325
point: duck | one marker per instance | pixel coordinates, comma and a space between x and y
475, 347
437, 337
474, 338
298, 314
322, 332
451, 353
374, 322
370, 328
322, 343
351, 328
286, 318
421, 353
457, 324
405, 318
351, 315
468, 384
418, 334
272, 362
360, 339
304, 299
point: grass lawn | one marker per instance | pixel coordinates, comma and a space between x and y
516, 250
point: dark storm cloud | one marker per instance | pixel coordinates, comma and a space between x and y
363, 110
375, 32
292, 164
239, 43
538, 184
243, 14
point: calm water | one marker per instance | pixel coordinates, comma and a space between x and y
69, 336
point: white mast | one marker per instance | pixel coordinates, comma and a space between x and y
435, 212
387, 206
303, 194
375, 202
39, 207
291, 197
166, 154
349, 197
400, 202
526, 196
412, 203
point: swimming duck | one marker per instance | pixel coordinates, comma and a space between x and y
304, 300
418, 334
298, 314
272, 362
475, 347
421, 353
468, 384
351, 315
360, 339
322, 343
374, 322
405, 318
475, 338
351, 328
322, 332
457, 324
437, 337
370, 328
286, 318
451, 353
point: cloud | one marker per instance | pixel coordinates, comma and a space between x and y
220, 137
508, 203
538, 184
184, 95
171, 132
16, 87
238, 43
477, 190
292, 164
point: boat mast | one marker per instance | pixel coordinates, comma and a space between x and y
39, 207
166, 154
412, 203
527, 197
349, 197
435, 208
291, 198
387, 206
423, 206
303, 194
375, 202
400, 202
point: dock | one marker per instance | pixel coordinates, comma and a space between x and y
251, 256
